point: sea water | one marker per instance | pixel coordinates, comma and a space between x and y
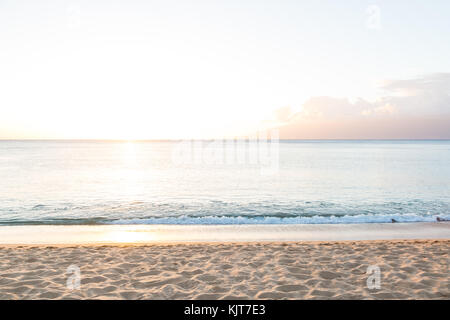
142, 182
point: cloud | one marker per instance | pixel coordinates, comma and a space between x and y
384, 109
423, 96
328, 107
438, 83
283, 114
408, 109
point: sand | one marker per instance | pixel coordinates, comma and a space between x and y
409, 269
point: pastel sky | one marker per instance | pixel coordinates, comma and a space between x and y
175, 69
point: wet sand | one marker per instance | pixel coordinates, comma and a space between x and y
152, 234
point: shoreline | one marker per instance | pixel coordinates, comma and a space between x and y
154, 234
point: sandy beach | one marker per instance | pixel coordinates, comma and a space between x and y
409, 269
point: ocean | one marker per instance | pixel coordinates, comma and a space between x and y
152, 182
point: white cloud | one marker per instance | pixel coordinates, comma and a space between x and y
381, 110
415, 108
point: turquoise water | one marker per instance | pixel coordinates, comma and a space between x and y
95, 182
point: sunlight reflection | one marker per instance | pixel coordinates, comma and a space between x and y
130, 176
129, 154
129, 236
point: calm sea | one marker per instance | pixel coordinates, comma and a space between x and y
95, 182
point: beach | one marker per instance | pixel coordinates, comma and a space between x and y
218, 151
408, 269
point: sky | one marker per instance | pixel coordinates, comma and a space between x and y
209, 69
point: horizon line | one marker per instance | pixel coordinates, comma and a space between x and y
213, 139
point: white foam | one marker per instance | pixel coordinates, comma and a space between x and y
346, 219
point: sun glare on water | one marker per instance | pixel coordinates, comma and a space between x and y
128, 236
